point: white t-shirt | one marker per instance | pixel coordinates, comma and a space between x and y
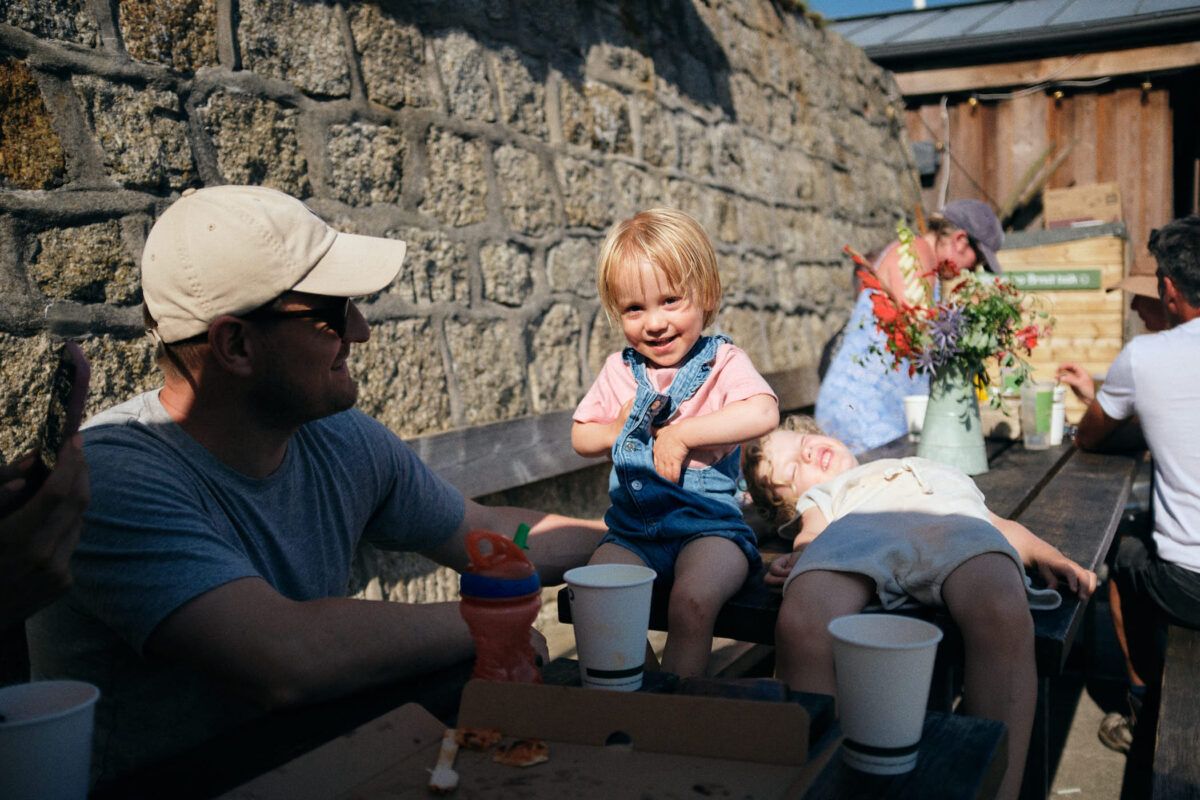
1157, 377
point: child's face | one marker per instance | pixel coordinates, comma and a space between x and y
660, 321
795, 462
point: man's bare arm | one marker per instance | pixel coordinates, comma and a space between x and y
278, 652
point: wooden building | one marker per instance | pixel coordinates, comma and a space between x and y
1006, 99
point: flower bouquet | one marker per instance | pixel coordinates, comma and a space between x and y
976, 321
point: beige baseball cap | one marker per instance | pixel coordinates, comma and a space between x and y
230, 249
1139, 284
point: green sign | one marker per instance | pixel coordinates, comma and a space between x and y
1055, 280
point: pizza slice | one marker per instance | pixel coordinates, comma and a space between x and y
477, 738
522, 753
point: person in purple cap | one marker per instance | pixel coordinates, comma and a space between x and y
861, 400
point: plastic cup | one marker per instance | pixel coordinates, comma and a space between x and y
883, 665
914, 414
1037, 414
610, 606
46, 739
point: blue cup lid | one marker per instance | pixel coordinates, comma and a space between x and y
472, 585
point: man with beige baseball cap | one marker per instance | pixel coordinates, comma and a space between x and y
227, 505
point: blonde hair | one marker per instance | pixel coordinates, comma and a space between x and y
769, 504
675, 244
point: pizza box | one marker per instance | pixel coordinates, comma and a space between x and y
601, 744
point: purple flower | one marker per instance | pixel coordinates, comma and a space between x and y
946, 328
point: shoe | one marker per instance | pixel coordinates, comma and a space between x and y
1115, 732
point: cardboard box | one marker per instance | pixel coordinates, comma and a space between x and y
1094, 204
602, 745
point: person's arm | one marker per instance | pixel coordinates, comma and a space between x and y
1050, 563
556, 543
38, 538
734, 423
812, 523
278, 652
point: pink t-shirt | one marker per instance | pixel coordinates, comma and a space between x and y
733, 378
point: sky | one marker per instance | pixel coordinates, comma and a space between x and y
836, 9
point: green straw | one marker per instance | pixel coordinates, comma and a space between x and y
521, 535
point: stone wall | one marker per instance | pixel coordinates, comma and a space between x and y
499, 138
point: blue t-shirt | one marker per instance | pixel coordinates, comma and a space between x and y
168, 521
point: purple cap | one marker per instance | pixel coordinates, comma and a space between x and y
981, 224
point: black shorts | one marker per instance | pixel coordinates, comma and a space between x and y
1138, 570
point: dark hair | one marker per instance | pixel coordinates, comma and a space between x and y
1176, 247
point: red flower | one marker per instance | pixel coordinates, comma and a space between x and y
947, 270
1028, 337
885, 310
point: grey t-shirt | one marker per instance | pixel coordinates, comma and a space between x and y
168, 522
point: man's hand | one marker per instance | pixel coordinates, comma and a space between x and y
1081, 383
38, 538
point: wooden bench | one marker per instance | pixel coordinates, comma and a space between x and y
1176, 771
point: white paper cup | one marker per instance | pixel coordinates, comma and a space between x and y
610, 607
46, 739
884, 665
914, 414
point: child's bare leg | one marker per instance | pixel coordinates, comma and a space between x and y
986, 598
803, 644
612, 553
707, 573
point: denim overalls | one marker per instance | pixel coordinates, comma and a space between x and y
651, 516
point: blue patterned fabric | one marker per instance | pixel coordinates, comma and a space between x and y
861, 400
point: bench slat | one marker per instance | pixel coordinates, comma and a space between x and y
1177, 748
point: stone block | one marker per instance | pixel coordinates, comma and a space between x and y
393, 56
596, 117
521, 92
463, 63
695, 146
731, 158
526, 190
65, 20
792, 340
657, 145
366, 163
400, 577
571, 266
87, 264
142, 132
554, 375
257, 142
507, 272
435, 270
456, 185
182, 34
745, 327
299, 41
489, 366
635, 189
401, 378
587, 193
755, 279
31, 154
604, 339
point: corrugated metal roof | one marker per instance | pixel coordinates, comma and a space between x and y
1003, 30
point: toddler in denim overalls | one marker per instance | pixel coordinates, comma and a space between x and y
671, 410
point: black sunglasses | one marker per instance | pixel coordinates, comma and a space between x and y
335, 317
